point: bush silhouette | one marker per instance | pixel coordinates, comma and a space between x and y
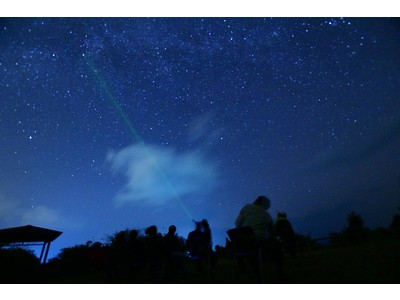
395, 225
353, 232
18, 265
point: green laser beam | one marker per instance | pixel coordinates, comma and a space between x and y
104, 86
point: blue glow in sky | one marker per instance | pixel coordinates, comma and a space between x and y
115, 123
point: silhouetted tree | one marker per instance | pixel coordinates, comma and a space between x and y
355, 222
353, 232
395, 225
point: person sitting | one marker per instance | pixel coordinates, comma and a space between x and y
257, 217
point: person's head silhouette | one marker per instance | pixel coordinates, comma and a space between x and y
262, 201
172, 229
205, 224
151, 231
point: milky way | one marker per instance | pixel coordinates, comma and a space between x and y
115, 123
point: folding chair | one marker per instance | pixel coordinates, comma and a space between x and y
245, 245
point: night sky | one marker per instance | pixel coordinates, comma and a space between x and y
115, 123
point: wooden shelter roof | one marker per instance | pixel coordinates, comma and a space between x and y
28, 233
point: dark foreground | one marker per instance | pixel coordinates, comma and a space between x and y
373, 262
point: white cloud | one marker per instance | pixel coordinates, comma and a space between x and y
156, 175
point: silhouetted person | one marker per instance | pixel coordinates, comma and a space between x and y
207, 231
133, 235
257, 217
154, 252
197, 244
284, 231
175, 253
172, 242
171, 230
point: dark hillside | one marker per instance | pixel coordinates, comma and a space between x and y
372, 262
375, 261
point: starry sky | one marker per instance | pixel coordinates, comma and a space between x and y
115, 123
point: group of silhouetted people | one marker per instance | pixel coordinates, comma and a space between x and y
164, 257
153, 257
